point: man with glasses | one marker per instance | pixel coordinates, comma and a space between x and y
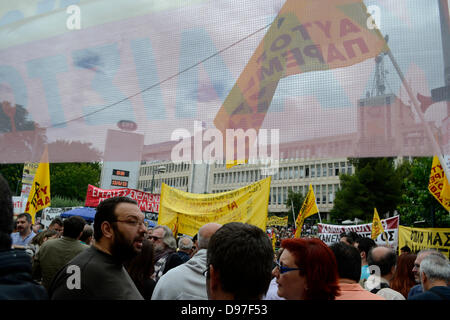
417, 289
165, 251
98, 272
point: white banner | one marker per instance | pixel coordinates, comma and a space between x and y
48, 214
330, 233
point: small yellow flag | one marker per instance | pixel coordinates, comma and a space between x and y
39, 197
309, 207
438, 184
274, 240
377, 227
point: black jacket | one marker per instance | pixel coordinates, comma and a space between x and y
15, 277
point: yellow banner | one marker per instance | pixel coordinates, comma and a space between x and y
277, 221
438, 184
305, 36
424, 238
185, 212
308, 208
39, 197
377, 227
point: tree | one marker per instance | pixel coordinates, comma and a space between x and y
71, 180
296, 199
13, 174
417, 203
375, 184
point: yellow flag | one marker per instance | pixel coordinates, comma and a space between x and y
309, 207
438, 184
305, 36
377, 227
39, 197
274, 240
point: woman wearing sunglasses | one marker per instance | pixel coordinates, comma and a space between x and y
307, 270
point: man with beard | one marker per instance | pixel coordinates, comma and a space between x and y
98, 272
24, 234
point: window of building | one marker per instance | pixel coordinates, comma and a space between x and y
318, 171
330, 169
324, 170
296, 174
302, 172
306, 171
336, 168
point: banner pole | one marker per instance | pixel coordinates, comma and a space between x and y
429, 133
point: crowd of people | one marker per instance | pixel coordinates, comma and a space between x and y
119, 258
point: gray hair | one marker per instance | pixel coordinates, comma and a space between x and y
436, 267
168, 238
185, 243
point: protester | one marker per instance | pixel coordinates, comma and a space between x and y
54, 254
38, 227
16, 282
87, 235
364, 245
416, 270
385, 259
57, 225
185, 245
24, 235
119, 232
141, 268
307, 270
187, 281
349, 238
165, 251
40, 238
272, 292
348, 261
435, 278
403, 279
405, 250
195, 245
239, 263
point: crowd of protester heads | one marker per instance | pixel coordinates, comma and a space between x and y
123, 259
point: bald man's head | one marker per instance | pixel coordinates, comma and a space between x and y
383, 257
205, 233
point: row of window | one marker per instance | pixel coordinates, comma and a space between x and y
170, 167
287, 173
324, 193
173, 182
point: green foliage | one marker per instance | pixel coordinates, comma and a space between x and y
71, 180
13, 174
375, 184
61, 202
417, 203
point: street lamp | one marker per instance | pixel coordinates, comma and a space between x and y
160, 169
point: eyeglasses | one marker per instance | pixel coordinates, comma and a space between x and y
154, 238
133, 223
284, 269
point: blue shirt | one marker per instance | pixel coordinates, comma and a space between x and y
17, 239
365, 273
417, 289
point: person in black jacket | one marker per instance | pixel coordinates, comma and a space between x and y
15, 264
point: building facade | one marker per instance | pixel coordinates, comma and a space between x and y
295, 174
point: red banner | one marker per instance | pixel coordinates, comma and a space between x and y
147, 202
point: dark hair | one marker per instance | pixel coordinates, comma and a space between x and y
348, 261
73, 226
405, 249
57, 221
106, 212
403, 279
365, 244
318, 264
242, 254
39, 238
6, 214
26, 215
141, 267
87, 232
351, 236
384, 262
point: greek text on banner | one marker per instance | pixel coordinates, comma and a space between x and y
425, 238
185, 212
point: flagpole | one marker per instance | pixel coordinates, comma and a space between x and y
434, 144
293, 214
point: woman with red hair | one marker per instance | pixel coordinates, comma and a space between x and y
307, 270
403, 279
